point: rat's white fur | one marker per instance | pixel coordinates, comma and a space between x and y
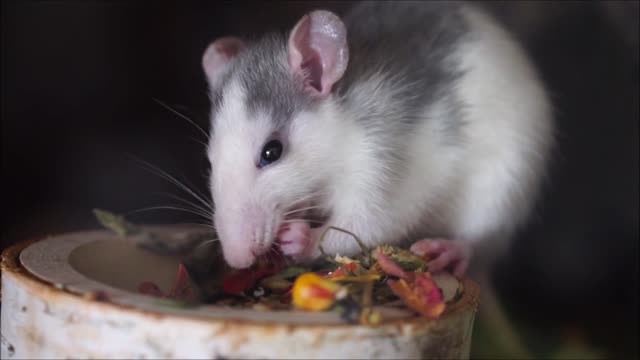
479, 191
509, 135
476, 191
249, 201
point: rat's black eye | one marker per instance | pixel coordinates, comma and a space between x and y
270, 152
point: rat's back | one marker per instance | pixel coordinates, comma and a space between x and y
456, 98
403, 49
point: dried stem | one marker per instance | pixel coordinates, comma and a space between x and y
356, 238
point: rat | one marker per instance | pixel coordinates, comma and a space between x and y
419, 122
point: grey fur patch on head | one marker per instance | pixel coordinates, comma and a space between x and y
269, 85
403, 46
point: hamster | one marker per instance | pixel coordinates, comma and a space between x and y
418, 122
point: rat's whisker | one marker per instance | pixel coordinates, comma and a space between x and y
182, 116
173, 180
202, 224
306, 197
309, 196
199, 224
200, 142
207, 242
202, 196
165, 208
194, 205
302, 220
271, 255
301, 209
208, 202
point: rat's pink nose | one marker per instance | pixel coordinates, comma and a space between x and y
239, 259
258, 249
243, 235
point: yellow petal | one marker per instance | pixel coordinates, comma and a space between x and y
312, 292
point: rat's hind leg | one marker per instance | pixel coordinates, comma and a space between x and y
444, 254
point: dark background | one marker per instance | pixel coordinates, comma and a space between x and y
78, 78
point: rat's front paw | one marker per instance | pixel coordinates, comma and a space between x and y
444, 254
295, 239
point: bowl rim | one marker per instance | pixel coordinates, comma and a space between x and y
70, 285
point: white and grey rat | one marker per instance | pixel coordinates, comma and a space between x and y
419, 121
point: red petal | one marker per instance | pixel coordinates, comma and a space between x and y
238, 281
389, 266
318, 292
328, 275
429, 288
181, 287
324, 273
422, 295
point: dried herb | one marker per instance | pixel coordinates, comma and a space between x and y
405, 259
349, 310
156, 242
351, 286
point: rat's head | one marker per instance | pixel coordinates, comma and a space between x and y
274, 130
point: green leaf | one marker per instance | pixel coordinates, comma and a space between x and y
115, 223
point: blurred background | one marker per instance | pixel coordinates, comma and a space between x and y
79, 79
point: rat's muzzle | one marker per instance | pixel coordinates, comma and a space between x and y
245, 235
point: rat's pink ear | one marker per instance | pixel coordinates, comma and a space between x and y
219, 54
318, 51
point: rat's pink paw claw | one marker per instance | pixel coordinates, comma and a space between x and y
444, 254
428, 246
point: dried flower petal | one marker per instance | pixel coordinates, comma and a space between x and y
360, 278
339, 272
422, 295
347, 267
312, 292
389, 266
405, 259
240, 281
182, 289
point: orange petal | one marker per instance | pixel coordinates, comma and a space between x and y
351, 266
